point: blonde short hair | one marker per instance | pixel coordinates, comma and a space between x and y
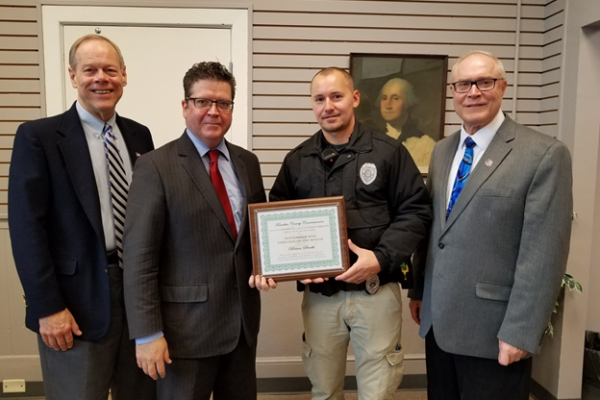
87, 38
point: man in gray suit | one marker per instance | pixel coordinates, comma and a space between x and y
489, 277
187, 252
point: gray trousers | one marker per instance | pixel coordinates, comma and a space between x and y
89, 369
229, 376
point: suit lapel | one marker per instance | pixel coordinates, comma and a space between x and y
242, 173
192, 163
129, 135
76, 155
446, 158
488, 163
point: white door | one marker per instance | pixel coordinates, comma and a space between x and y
156, 58
157, 55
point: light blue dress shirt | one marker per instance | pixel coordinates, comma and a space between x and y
93, 127
227, 170
234, 190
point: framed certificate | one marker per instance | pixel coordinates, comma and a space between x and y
299, 239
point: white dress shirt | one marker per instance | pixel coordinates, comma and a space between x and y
482, 139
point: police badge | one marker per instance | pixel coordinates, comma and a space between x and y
368, 173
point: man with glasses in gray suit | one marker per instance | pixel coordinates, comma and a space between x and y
488, 279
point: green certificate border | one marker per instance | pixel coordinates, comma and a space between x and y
300, 266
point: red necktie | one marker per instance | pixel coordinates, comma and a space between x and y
219, 184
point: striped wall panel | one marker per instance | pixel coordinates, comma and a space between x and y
292, 42
293, 39
19, 78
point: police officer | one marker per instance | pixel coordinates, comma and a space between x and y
387, 215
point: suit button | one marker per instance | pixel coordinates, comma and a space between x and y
441, 245
106, 271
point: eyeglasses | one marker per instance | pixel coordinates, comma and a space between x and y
205, 104
482, 85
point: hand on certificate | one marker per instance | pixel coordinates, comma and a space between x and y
262, 283
313, 280
365, 267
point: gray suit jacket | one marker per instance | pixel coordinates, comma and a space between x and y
183, 272
493, 270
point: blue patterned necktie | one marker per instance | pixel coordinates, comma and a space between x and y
118, 186
464, 170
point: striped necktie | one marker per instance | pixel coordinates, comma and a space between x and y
464, 170
118, 186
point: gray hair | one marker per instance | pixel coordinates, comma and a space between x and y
499, 65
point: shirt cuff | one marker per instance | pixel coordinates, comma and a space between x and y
149, 338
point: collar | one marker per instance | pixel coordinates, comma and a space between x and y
360, 141
92, 123
484, 136
203, 149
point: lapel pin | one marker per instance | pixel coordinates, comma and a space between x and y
489, 162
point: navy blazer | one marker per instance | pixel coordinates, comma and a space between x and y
56, 223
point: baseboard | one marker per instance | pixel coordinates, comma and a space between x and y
299, 385
302, 384
265, 385
538, 392
34, 390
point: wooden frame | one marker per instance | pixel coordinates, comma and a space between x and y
299, 239
412, 107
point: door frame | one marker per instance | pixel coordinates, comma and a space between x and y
54, 18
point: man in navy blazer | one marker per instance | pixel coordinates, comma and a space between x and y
63, 233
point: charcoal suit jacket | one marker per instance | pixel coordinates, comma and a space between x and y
185, 274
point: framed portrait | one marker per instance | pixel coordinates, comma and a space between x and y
404, 96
